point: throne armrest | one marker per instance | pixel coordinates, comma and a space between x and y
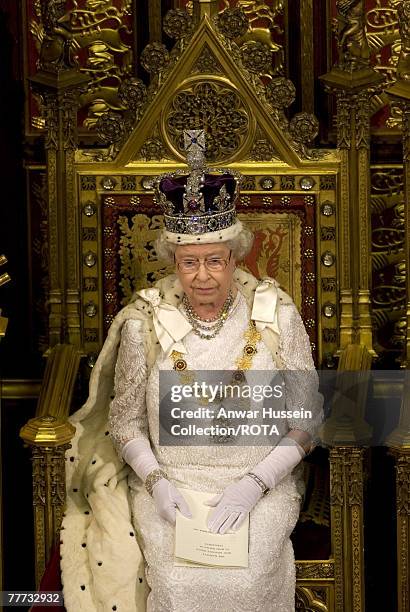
49, 435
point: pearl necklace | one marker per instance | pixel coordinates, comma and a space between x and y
196, 321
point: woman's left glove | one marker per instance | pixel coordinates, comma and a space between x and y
233, 505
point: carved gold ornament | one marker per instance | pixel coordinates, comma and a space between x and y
95, 35
153, 148
207, 63
261, 21
132, 93
257, 57
154, 58
304, 127
233, 22
177, 24
280, 92
216, 108
403, 64
110, 127
263, 151
354, 52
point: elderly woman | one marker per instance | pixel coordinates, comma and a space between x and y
208, 316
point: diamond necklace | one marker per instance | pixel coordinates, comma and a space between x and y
196, 322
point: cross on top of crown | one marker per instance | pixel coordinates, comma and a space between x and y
194, 142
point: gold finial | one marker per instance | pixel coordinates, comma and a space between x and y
204, 7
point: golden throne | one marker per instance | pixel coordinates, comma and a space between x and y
103, 220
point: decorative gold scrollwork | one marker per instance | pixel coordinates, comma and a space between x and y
311, 600
388, 255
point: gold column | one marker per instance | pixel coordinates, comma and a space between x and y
344, 431
346, 509
353, 82
49, 439
59, 84
49, 435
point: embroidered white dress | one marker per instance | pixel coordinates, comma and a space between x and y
268, 584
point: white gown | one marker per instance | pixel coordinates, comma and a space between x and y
268, 584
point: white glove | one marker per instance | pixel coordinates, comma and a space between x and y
167, 498
233, 505
238, 499
280, 462
138, 454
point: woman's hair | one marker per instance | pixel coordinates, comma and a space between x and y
240, 246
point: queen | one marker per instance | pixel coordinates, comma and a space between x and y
125, 487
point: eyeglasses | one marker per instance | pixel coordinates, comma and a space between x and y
212, 264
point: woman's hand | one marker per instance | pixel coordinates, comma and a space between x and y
233, 505
167, 498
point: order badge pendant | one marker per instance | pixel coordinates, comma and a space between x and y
180, 365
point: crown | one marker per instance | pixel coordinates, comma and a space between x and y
199, 206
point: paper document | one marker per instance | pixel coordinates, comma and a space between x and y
196, 546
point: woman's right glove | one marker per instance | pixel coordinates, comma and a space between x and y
167, 498
138, 454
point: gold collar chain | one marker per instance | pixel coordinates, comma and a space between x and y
187, 377
252, 337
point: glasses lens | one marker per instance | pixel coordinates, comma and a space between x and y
188, 265
215, 264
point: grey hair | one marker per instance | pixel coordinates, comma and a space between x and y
240, 246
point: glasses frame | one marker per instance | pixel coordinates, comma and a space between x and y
203, 261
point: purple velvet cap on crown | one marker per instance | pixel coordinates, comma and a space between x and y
174, 189
199, 206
